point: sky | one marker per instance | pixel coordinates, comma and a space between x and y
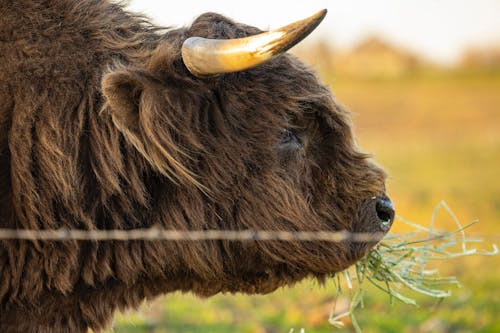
437, 29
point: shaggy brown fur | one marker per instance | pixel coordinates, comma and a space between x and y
102, 127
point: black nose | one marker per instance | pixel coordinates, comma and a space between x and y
385, 213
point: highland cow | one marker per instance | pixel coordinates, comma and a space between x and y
109, 122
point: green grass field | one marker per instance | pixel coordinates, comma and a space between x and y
438, 135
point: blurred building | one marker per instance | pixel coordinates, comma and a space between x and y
482, 59
373, 57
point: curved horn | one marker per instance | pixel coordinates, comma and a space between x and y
205, 57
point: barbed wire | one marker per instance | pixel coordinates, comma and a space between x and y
156, 234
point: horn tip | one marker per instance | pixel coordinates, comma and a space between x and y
319, 16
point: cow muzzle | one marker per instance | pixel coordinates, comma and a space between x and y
377, 214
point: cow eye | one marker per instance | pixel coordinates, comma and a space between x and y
290, 139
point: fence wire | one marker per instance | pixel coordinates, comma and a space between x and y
156, 234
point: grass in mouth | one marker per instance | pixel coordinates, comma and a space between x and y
399, 265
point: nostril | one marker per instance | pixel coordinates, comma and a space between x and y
385, 212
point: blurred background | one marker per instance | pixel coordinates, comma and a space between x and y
422, 80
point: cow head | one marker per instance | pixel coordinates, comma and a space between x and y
264, 148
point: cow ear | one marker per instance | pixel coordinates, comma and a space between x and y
122, 91
136, 107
